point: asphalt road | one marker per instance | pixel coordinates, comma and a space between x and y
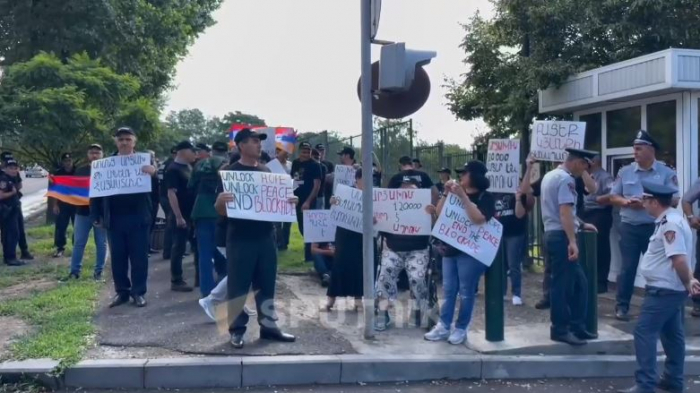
33, 184
532, 386
34, 193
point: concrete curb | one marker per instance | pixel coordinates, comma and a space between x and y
236, 372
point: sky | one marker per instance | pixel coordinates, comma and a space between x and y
297, 63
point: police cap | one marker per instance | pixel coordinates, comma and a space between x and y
585, 154
644, 138
248, 133
654, 190
11, 162
6, 155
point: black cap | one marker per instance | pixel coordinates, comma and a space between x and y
304, 145
6, 155
347, 150
220, 147
184, 145
124, 130
445, 170
643, 138
475, 167
248, 133
320, 147
416, 160
203, 146
410, 180
655, 190
11, 162
66, 155
95, 146
585, 154
405, 160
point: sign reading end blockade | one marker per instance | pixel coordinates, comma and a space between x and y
454, 228
259, 196
503, 163
118, 175
550, 139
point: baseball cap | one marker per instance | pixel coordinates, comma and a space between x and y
405, 160
347, 150
124, 130
248, 133
445, 170
220, 147
66, 156
203, 146
304, 145
184, 145
320, 147
475, 167
95, 146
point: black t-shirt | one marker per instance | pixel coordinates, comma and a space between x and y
324, 172
83, 171
330, 167
176, 177
247, 229
161, 177
305, 173
485, 202
7, 183
423, 179
376, 177
440, 188
505, 213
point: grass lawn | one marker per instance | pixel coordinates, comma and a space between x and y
292, 260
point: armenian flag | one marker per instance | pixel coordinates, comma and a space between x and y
73, 190
286, 139
235, 128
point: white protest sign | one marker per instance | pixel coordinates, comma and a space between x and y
551, 138
346, 209
402, 211
120, 175
503, 163
318, 226
344, 174
276, 166
259, 196
454, 228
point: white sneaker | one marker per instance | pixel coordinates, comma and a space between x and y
457, 337
517, 301
251, 312
208, 307
438, 333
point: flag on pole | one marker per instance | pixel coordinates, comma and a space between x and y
286, 139
73, 190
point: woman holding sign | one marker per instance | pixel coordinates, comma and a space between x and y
461, 272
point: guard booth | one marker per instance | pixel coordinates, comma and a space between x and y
659, 92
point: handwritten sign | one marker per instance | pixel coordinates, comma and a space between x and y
402, 211
259, 196
318, 226
276, 166
503, 163
119, 175
551, 138
345, 175
346, 212
454, 228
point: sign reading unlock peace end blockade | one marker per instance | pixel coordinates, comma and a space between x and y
120, 175
503, 162
551, 138
454, 228
259, 196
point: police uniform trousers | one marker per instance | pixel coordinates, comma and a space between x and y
634, 240
128, 247
602, 220
252, 261
10, 231
661, 317
569, 287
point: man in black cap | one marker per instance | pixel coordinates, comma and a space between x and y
421, 178
203, 151
569, 284
322, 157
308, 175
347, 156
251, 253
65, 213
666, 268
9, 209
181, 199
417, 164
167, 234
637, 225
127, 219
445, 175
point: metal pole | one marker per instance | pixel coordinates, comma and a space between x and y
367, 142
495, 277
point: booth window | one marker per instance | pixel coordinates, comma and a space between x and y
661, 124
594, 129
623, 125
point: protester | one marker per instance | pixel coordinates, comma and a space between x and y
83, 226
323, 254
9, 209
445, 175
165, 204
181, 200
320, 198
203, 151
422, 178
461, 272
251, 254
127, 219
65, 213
308, 175
330, 167
283, 229
347, 156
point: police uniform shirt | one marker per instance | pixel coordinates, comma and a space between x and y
7, 183
558, 188
604, 183
629, 184
672, 236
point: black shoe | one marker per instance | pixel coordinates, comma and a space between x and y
568, 339
325, 280
58, 253
72, 276
237, 340
118, 300
634, 389
27, 256
14, 262
276, 335
585, 335
180, 287
621, 315
667, 386
542, 304
97, 277
139, 301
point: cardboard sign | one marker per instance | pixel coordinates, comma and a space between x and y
503, 163
346, 211
318, 226
276, 167
551, 138
454, 228
259, 196
119, 175
402, 211
345, 175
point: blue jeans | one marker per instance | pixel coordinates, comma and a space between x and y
210, 258
460, 275
322, 264
661, 317
515, 255
82, 227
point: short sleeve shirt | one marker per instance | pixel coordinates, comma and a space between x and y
305, 173
629, 184
672, 236
177, 176
604, 183
421, 177
558, 188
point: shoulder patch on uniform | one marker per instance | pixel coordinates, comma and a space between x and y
670, 236
572, 188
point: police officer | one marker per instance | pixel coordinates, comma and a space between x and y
666, 267
690, 197
637, 225
23, 245
9, 209
568, 293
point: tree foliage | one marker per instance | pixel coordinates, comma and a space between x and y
534, 44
